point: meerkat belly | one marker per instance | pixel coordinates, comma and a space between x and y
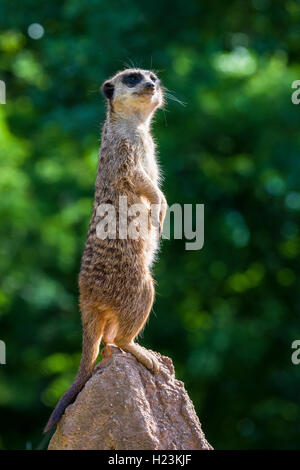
151, 243
123, 251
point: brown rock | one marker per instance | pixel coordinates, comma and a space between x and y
124, 407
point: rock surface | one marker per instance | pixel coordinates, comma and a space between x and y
125, 407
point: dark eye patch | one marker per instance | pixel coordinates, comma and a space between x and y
152, 77
132, 79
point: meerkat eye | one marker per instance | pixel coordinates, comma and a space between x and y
132, 79
153, 78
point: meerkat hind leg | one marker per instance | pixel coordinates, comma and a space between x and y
113, 337
126, 324
141, 354
125, 341
110, 332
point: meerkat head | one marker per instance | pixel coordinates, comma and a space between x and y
134, 93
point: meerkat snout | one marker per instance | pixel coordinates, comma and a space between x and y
149, 86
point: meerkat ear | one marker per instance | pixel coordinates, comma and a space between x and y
108, 90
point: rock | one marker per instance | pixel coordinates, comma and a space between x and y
125, 407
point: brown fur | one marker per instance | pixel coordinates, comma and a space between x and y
115, 282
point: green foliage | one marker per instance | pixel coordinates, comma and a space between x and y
226, 314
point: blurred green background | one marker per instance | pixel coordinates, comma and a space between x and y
226, 314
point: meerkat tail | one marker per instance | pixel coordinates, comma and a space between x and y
66, 400
90, 350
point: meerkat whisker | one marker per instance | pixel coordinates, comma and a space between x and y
174, 98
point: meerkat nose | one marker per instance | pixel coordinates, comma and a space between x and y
149, 86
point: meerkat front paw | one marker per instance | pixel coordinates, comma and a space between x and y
158, 214
155, 216
162, 213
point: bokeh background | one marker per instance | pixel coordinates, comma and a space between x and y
227, 314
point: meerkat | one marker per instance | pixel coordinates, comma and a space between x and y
115, 281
